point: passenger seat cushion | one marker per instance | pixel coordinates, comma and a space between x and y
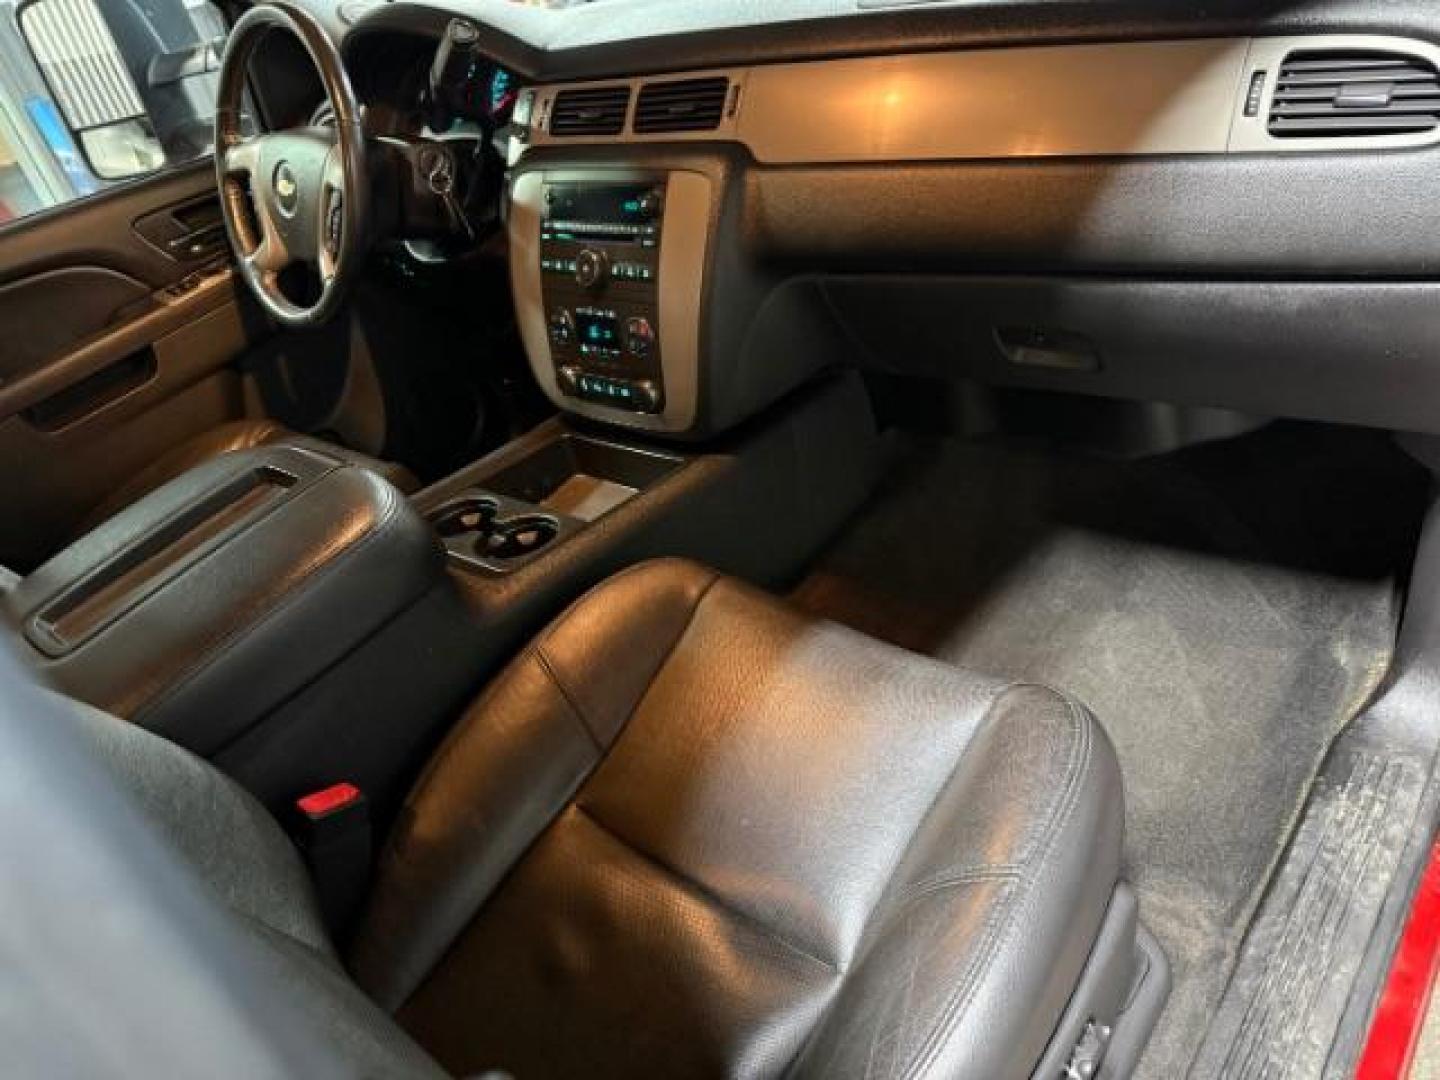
509, 767
757, 841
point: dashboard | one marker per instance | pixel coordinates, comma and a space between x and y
391, 76
1234, 207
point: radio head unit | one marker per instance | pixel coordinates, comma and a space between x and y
608, 268
599, 264
606, 213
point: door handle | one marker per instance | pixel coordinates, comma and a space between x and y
189, 232
199, 244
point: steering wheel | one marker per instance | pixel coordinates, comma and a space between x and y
295, 196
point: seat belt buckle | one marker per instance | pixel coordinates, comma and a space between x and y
333, 834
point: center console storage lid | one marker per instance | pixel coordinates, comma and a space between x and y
209, 602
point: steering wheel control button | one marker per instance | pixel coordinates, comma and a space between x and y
334, 223
591, 268
562, 327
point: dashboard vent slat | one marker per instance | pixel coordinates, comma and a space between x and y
591, 110
1354, 94
686, 105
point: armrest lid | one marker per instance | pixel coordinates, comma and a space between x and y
213, 599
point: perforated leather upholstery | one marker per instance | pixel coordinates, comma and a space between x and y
691, 832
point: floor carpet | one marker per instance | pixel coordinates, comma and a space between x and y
1224, 610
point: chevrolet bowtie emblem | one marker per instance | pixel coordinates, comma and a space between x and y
287, 190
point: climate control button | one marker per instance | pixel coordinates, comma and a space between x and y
643, 395
639, 337
562, 327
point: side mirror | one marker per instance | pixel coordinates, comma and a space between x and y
135, 89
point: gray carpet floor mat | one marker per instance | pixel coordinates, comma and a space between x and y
1225, 611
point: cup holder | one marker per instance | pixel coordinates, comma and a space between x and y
467, 516
514, 537
493, 536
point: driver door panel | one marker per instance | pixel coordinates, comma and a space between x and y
122, 326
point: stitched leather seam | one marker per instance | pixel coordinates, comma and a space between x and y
456, 736
996, 929
298, 590
538, 647
948, 879
1079, 759
979, 961
1061, 808
538, 652
935, 801
585, 597
996, 925
669, 652
499, 684
396, 854
905, 900
709, 896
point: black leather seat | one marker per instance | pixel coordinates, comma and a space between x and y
237, 435
688, 832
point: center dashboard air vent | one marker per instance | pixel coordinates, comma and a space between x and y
591, 110
686, 105
1345, 94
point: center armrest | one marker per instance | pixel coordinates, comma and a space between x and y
210, 601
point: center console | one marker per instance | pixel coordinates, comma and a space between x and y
599, 259
525, 505
214, 610
296, 620
638, 297
608, 267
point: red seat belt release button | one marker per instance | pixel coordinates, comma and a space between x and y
330, 800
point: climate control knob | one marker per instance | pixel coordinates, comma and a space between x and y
591, 268
646, 395
562, 327
639, 337
650, 204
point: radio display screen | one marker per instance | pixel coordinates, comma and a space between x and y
597, 332
610, 203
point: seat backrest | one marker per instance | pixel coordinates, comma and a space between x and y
157, 922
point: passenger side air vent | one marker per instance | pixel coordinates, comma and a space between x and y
689, 105
1354, 93
593, 110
